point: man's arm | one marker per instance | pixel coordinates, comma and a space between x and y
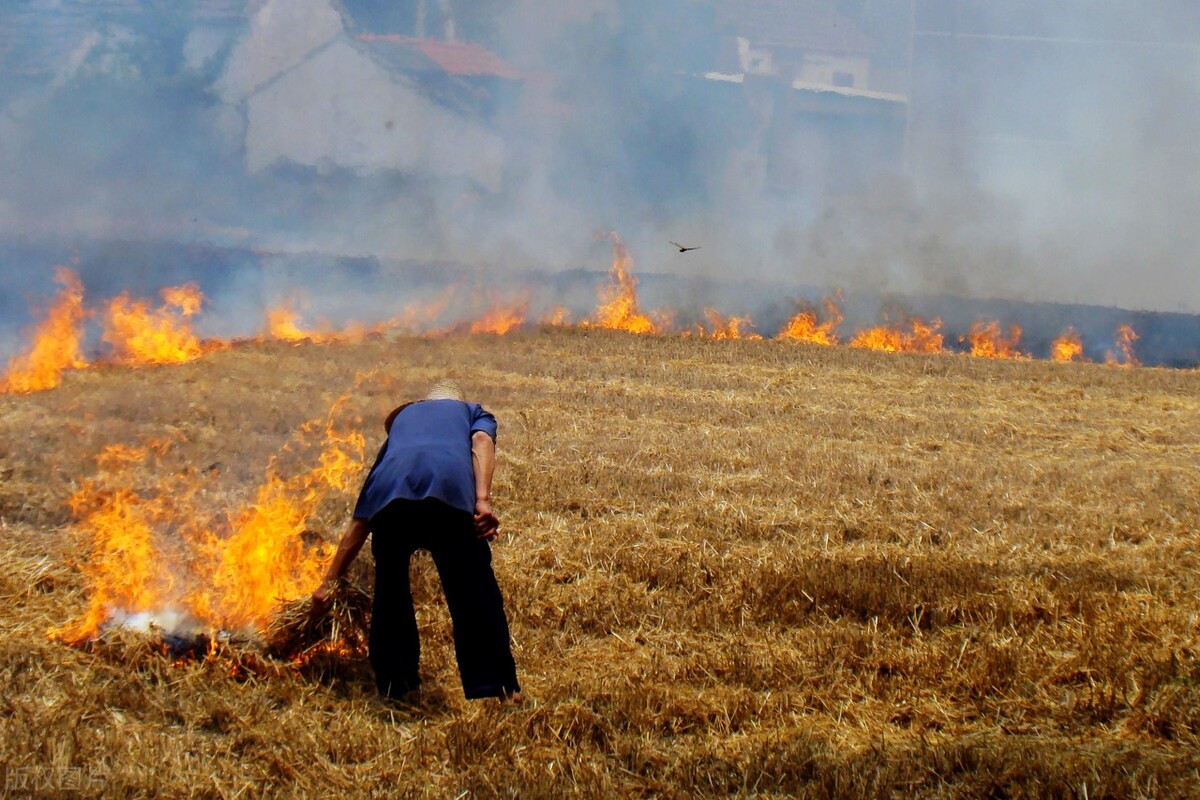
483, 462
352, 542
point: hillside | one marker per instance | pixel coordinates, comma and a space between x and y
731, 567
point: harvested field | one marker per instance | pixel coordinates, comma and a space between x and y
731, 568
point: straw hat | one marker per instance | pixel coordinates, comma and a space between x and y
446, 390
442, 390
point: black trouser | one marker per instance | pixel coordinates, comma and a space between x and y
464, 564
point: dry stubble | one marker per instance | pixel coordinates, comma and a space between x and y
731, 568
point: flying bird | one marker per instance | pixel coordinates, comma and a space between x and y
684, 248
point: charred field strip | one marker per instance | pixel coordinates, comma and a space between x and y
732, 568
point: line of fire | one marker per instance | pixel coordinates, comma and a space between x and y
136, 332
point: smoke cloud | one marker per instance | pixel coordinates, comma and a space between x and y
353, 151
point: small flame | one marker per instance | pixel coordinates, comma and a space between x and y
921, 337
987, 341
1068, 346
559, 317
141, 335
721, 327
57, 342
187, 298
618, 308
424, 316
805, 326
283, 325
500, 320
1123, 356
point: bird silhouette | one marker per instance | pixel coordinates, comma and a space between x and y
684, 248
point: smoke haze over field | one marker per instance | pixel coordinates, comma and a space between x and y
1031, 153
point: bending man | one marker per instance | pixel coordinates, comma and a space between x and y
430, 488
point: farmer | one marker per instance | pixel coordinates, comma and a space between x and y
430, 488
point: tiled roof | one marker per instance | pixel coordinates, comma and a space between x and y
803, 24
454, 58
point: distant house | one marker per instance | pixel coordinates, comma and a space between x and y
806, 74
803, 41
313, 89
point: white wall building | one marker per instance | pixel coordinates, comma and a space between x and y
308, 91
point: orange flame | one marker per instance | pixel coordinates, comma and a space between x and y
806, 327
141, 335
283, 322
125, 571
987, 341
265, 560
166, 554
1123, 356
187, 298
921, 337
501, 319
1068, 347
423, 316
56, 342
559, 317
283, 325
727, 327
619, 302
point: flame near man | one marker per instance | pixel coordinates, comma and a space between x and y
430, 489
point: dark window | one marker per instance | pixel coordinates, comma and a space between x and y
843, 79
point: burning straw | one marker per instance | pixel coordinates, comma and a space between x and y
298, 635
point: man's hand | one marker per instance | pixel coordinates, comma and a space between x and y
352, 542
323, 597
483, 462
486, 523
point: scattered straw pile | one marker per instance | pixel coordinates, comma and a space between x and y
731, 568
